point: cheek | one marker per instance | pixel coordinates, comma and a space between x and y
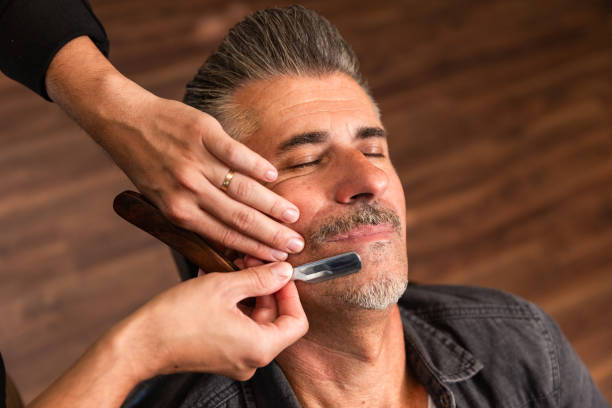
400, 197
309, 198
396, 191
305, 196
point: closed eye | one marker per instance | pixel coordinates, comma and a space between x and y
302, 165
318, 161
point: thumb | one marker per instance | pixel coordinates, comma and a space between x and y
259, 280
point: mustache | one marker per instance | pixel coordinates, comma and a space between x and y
366, 214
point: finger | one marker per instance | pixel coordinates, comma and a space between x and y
250, 222
265, 306
291, 323
239, 262
251, 261
246, 190
258, 281
242, 217
288, 301
188, 215
244, 207
237, 156
265, 309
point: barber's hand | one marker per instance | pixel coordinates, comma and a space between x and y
176, 155
199, 325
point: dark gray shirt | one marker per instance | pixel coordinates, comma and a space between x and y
469, 347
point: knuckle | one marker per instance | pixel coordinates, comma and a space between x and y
178, 213
188, 179
244, 374
260, 356
229, 238
278, 238
195, 127
260, 279
244, 189
267, 355
276, 208
304, 325
258, 250
230, 152
261, 361
243, 218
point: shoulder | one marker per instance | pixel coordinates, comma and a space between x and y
490, 324
487, 321
451, 303
521, 348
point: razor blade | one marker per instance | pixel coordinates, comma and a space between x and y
328, 268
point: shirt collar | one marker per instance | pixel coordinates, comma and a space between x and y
436, 359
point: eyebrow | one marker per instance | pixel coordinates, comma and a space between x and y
302, 139
318, 137
369, 131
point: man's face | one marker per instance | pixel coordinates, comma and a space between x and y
326, 139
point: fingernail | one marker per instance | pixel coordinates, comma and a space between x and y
271, 175
290, 215
282, 269
295, 245
279, 255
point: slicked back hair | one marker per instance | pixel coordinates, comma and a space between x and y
291, 41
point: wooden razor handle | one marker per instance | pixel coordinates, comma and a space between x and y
136, 209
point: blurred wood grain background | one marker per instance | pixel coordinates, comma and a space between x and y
500, 122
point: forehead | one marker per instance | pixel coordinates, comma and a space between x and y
285, 106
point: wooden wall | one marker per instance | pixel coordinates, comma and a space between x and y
500, 116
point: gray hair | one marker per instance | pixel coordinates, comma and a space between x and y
378, 294
290, 41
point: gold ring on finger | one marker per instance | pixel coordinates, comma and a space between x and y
227, 180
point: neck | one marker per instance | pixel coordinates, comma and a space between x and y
350, 359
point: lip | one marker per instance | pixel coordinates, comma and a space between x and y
365, 232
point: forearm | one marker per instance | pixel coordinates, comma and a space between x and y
89, 89
112, 109
103, 376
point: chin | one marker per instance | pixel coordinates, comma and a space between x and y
380, 283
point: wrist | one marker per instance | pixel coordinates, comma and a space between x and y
128, 344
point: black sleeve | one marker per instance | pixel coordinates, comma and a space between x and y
33, 31
2, 384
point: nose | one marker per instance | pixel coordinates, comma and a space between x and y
361, 180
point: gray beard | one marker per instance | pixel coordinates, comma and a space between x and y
376, 295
